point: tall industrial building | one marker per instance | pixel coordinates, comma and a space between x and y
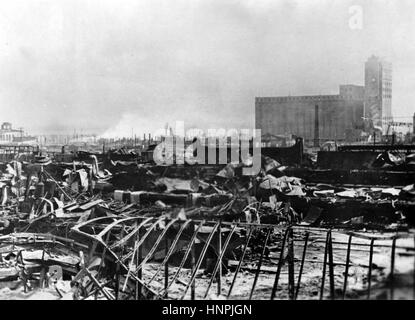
378, 92
322, 117
340, 117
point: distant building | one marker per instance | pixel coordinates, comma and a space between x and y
378, 92
8, 134
11, 136
341, 117
337, 115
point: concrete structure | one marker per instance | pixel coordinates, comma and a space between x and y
320, 118
8, 134
352, 91
378, 92
338, 115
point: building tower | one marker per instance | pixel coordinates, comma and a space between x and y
378, 92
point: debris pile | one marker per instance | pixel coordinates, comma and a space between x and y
120, 229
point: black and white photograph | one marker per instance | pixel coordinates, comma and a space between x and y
218, 151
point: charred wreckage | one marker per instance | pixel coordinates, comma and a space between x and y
332, 225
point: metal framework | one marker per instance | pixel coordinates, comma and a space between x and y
131, 243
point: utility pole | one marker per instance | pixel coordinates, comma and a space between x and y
316, 127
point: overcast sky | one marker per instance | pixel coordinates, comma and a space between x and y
124, 66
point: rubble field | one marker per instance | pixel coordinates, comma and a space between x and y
91, 229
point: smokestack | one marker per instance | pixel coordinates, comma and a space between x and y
144, 137
413, 124
316, 127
